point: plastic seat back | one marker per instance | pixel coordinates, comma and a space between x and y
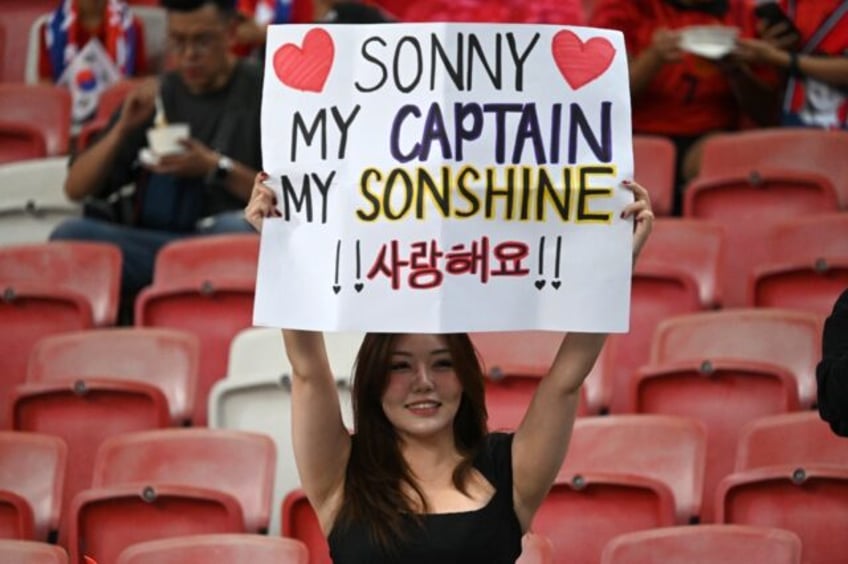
791, 339
201, 549
723, 395
166, 358
92, 270
135, 513
730, 544
806, 149
84, 414
262, 404
29, 552
205, 286
508, 398
582, 515
206, 458
301, 523
806, 266
32, 465
654, 159
16, 517
45, 107
811, 501
668, 449
694, 246
20, 141
747, 206
793, 438
27, 315
658, 291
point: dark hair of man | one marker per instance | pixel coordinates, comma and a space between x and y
226, 7
376, 472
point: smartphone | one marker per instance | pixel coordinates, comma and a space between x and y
773, 14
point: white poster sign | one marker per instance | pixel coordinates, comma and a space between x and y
446, 177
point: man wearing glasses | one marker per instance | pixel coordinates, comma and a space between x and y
201, 186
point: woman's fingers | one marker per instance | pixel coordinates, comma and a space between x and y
262, 203
643, 215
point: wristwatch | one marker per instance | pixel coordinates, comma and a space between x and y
223, 167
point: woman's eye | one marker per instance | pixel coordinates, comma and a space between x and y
399, 366
443, 363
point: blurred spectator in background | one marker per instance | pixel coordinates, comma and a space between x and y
254, 17
354, 12
87, 45
810, 47
676, 93
202, 187
563, 12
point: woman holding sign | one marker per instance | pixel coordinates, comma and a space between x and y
422, 479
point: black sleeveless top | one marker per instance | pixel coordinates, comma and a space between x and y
491, 534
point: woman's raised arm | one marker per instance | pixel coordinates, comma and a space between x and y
541, 440
321, 441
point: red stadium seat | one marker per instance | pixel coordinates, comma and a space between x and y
811, 501
166, 358
805, 149
791, 439
508, 397
21, 141
659, 291
582, 515
695, 246
106, 521
204, 549
207, 458
790, 339
205, 286
806, 266
721, 394
83, 414
510, 360
28, 314
728, 544
32, 465
29, 552
45, 107
92, 270
668, 449
16, 517
748, 205
301, 523
654, 160
16, 18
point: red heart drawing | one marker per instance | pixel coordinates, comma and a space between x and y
307, 68
581, 63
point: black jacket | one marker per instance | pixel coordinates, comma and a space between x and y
832, 371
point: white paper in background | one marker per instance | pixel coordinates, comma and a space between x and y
442, 177
88, 74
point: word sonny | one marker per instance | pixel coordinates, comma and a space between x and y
468, 121
428, 263
408, 61
523, 194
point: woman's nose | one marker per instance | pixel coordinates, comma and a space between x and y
422, 378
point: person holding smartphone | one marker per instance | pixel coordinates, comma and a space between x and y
809, 44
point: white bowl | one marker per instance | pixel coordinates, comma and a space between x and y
165, 140
709, 41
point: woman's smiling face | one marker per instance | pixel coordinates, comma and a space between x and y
423, 392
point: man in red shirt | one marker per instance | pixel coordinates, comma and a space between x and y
677, 94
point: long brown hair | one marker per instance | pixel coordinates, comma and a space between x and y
376, 472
